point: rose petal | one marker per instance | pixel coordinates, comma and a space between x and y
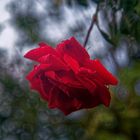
36, 53
65, 103
84, 76
71, 63
41, 86
37, 70
86, 99
54, 62
102, 72
74, 49
103, 93
64, 77
41, 68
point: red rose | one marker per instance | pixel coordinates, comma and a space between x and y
67, 78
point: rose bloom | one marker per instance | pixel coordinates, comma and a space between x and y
67, 78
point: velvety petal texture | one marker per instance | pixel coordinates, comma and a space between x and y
67, 78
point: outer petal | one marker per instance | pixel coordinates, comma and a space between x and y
72, 63
61, 86
43, 87
102, 72
73, 48
62, 101
36, 53
35, 84
41, 68
54, 62
85, 78
86, 99
103, 93
37, 70
64, 77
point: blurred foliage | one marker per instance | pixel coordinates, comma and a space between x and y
28, 24
131, 18
24, 116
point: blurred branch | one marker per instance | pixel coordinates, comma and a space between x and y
94, 19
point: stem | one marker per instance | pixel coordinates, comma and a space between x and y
94, 19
